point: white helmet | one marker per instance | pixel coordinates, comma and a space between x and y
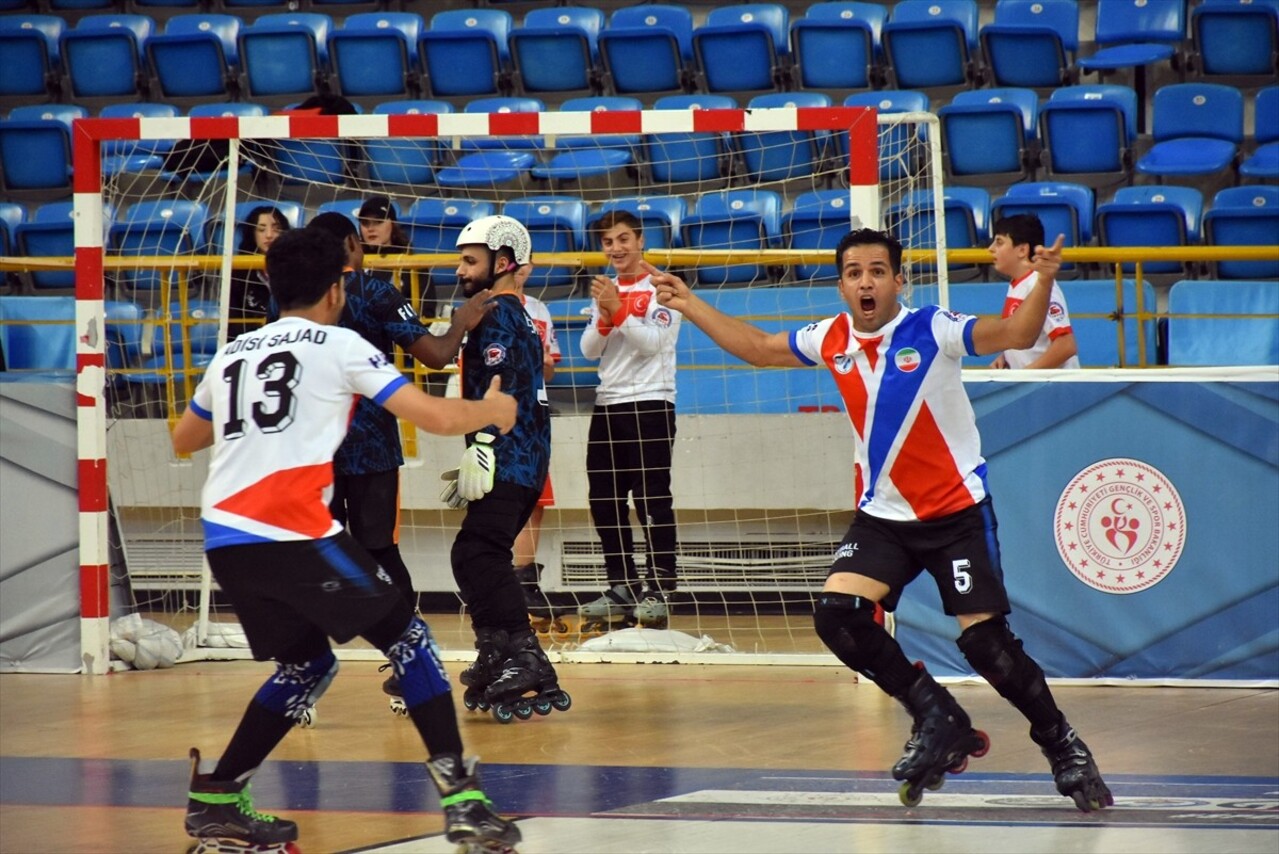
496, 232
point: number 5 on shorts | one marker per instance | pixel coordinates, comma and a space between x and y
963, 581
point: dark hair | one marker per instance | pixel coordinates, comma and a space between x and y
337, 224
616, 217
1022, 228
870, 237
302, 265
250, 225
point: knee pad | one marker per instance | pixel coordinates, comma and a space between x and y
992, 649
294, 688
846, 624
416, 660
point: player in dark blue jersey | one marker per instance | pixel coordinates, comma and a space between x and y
501, 477
366, 476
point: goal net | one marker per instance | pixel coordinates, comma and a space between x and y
747, 205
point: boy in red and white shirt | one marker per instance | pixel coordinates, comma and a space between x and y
1013, 247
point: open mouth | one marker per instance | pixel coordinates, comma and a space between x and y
866, 303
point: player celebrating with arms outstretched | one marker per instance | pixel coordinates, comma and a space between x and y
922, 500
274, 405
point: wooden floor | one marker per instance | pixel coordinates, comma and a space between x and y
650, 758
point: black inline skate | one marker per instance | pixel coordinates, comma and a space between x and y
941, 740
527, 683
1074, 770
220, 816
391, 687
487, 666
541, 613
469, 818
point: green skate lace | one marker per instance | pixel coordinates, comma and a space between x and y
468, 795
242, 799
246, 807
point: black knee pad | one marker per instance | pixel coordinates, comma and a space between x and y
846, 624
994, 651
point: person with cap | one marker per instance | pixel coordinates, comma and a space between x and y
366, 467
381, 234
500, 478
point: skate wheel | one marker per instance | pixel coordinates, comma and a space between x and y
562, 701
307, 719
398, 708
984, 744
961, 764
470, 703
542, 707
910, 795
523, 712
503, 713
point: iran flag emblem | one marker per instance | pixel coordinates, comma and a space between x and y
907, 359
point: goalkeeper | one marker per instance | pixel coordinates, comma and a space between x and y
500, 478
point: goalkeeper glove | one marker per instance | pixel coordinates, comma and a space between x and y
475, 471
449, 494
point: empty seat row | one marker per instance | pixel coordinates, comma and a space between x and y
648, 49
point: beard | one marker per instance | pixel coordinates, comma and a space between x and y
471, 287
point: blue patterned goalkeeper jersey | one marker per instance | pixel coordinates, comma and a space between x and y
381, 314
506, 343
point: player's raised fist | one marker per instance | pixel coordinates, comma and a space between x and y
1047, 261
505, 408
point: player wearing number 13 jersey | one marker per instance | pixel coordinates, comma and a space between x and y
922, 499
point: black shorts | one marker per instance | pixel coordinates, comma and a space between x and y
285, 594
369, 506
960, 552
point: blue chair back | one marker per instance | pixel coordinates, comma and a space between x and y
511, 104
989, 134
465, 53
29, 53
1151, 216
1087, 132
103, 57
895, 143
733, 219
1123, 21
783, 155
836, 45
374, 54
1063, 208
931, 43
681, 157
165, 228
37, 333
741, 48
403, 160
660, 218
1195, 337
284, 56
1244, 216
197, 56
818, 220
648, 49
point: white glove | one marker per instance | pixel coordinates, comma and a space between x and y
449, 493
441, 327
475, 471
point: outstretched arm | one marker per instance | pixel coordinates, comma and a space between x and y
452, 416
1019, 330
748, 343
438, 351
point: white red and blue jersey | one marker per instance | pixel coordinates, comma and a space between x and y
1056, 323
280, 400
637, 351
918, 451
541, 315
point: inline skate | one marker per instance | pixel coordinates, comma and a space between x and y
469, 818
487, 666
1074, 770
395, 696
542, 614
612, 610
221, 818
941, 740
527, 683
653, 610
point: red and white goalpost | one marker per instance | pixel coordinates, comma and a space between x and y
772, 529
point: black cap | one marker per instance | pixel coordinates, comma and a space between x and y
377, 208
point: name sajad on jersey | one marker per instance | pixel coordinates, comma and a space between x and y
262, 342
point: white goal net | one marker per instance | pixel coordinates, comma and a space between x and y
746, 204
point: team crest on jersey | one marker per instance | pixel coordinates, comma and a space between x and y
1120, 526
662, 317
379, 360
907, 359
494, 354
951, 315
842, 363
1056, 310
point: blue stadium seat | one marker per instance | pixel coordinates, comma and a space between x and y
682, 157
733, 219
124, 326
312, 161
555, 224
1263, 163
836, 46
35, 151
48, 233
1032, 43
965, 217
1087, 134
556, 51
195, 59
1092, 308
182, 173
401, 160
512, 104
989, 136
648, 49
1236, 41
175, 335
284, 57
895, 143
37, 333
1063, 208
374, 56
743, 48
29, 55
1136, 35
784, 155
433, 225
818, 220
1152, 216
167, 228
1195, 339
1198, 128
932, 44
659, 216
143, 155
12, 214
593, 157
465, 54
103, 58
490, 170
1244, 216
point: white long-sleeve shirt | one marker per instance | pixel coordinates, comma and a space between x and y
637, 352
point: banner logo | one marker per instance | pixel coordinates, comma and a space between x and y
1120, 526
